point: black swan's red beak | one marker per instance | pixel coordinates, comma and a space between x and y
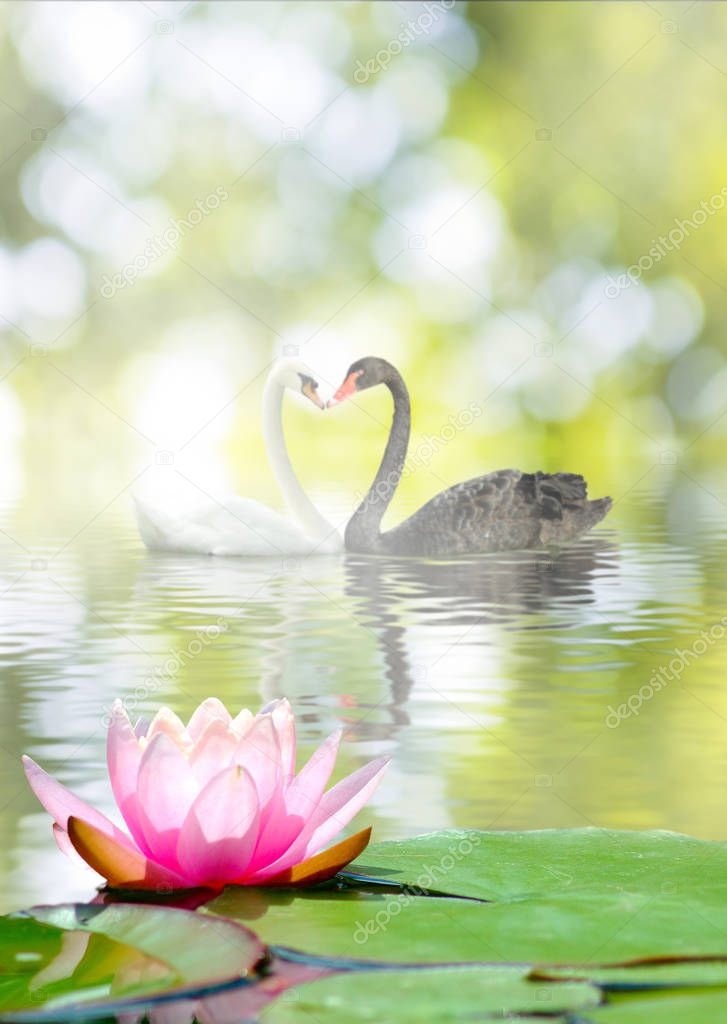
345, 391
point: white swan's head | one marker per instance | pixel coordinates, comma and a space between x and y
296, 375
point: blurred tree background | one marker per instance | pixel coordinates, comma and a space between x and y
454, 186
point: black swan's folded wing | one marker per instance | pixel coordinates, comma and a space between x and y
503, 510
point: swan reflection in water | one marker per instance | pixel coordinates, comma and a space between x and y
305, 629
500, 589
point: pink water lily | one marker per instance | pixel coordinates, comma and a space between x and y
212, 803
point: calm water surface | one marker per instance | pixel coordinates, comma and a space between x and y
489, 680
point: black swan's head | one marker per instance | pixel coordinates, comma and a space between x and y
364, 373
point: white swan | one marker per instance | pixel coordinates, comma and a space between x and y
242, 526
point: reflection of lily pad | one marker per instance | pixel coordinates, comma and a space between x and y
44, 966
200, 949
432, 994
57, 958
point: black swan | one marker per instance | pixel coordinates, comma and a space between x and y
507, 509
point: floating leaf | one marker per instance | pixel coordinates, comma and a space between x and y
201, 949
666, 1008
511, 865
573, 905
429, 994
643, 975
46, 966
399, 928
77, 959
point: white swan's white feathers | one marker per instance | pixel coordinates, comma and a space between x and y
231, 526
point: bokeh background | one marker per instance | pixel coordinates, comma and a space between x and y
458, 212
453, 186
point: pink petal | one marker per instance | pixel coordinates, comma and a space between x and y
219, 834
123, 756
61, 803
209, 709
296, 805
213, 751
166, 722
333, 813
259, 752
242, 722
307, 788
166, 790
284, 722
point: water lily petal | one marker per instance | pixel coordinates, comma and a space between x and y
333, 813
209, 709
166, 790
305, 793
242, 722
284, 723
343, 801
324, 865
259, 752
120, 865
295, 806
61, 803
219, 833
123, 756
166, 722
213, 751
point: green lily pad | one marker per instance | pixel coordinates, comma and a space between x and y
49, 967
202, 951
75, 957
567, 929
511, 865
569, 897
643, 976
430, 994
666, 1008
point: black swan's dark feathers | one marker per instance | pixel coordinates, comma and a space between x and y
500, 511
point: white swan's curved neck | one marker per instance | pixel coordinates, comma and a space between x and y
296, 499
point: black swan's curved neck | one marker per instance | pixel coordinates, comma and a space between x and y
363, 532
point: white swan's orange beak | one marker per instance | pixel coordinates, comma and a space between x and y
345, 391
310, 391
